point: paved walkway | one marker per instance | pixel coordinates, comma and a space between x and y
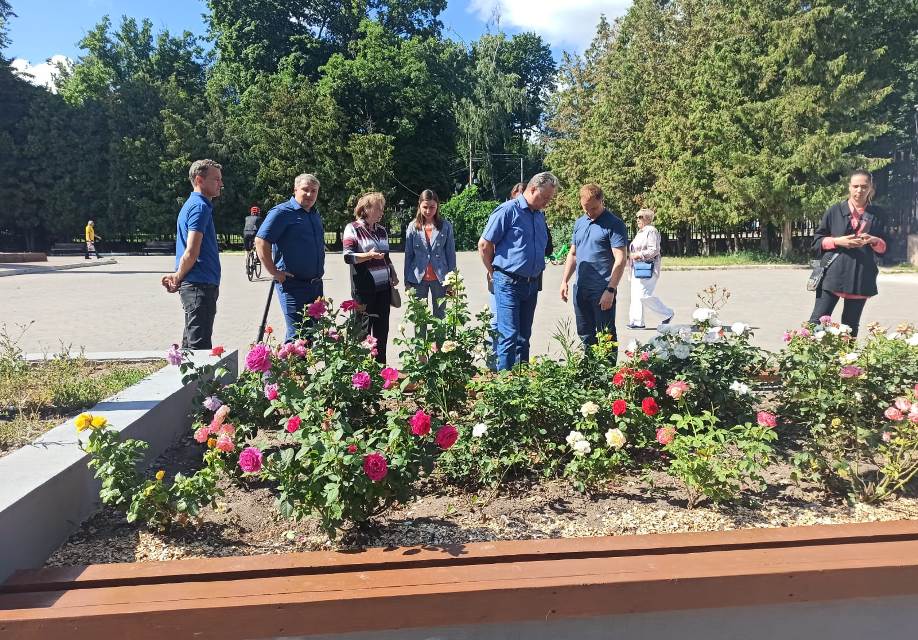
113, 307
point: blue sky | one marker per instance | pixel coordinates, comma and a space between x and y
46, 28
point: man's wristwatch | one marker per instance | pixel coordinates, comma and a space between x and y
610, 289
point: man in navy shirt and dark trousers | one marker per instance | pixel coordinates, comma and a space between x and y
197, 257
598, 255
291, 246
512, 248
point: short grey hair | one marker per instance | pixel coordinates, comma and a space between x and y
201, 168
543, 180
304, 179
647, 214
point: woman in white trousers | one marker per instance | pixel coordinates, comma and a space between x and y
646, 247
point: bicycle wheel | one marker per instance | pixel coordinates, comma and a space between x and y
250, 265
257, 268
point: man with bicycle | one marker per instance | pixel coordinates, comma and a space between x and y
291, 246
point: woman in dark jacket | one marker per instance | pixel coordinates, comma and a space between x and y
851, 236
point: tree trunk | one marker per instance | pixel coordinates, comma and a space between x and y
706, 243
736, 241
687, 249
787, 239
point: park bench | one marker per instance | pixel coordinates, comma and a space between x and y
68, 248
158, 247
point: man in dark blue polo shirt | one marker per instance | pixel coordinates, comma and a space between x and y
291, 246
598, 255
197, 257
512, 248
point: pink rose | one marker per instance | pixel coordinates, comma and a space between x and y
787, 336
766, 419
902, 404
250, 460
352, 448
825, 320
390, 376
348, 305
271, 391
893, 413
645, 356
887, 436
226, 429
200, 435
913, 417
446, 436
317, 309
361, 380
804, 332
220, 415
212, 403
850, 371
677, 389
665, 435
174, 355
225, 443
293, 424
420, 423
259, 358
375, 466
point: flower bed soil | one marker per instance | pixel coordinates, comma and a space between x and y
245, 521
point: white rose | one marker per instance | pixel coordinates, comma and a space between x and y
738, 328
851, 357
819, 335
632, 346
703, 315
589, 408
574, 436
844, 328
663, 354
833, 330
448, 346
615, 438
913, 340
664, 329
893, 335
685, 334
581, 448
479, 430
682, 351
452, 278
739, 388
402, 328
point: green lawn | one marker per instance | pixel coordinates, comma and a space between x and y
730, 259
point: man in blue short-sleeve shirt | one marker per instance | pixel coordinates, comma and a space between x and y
598, 256
197, 256
291, 245
512, 248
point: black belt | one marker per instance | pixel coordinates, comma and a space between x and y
517, 276
306, 280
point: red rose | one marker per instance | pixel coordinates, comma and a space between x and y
375, 466
420, 423
352, 448
618, 379
446, 436
293, 424
619, 407
217, 351
269, 330
649, 406
650, 384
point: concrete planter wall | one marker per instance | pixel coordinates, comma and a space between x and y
46, 489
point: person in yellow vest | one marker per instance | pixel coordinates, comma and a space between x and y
91, 238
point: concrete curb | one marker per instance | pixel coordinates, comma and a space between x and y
103, 356
60, 267
48, 491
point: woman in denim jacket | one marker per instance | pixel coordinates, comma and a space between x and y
430, 252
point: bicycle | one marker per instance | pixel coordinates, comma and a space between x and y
252, 265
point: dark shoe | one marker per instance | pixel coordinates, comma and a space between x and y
635, 326
667, 321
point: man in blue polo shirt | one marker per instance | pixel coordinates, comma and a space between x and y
512, 248
598, 255
197, 257
291, 246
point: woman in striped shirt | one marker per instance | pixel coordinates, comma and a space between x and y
366, 249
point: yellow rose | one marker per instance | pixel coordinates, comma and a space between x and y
836, 422
83, 421
160, 475
99, 421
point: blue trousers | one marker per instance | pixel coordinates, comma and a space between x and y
590, 318
515, 300
293, 296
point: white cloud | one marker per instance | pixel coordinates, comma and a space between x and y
568, 24
41, 75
